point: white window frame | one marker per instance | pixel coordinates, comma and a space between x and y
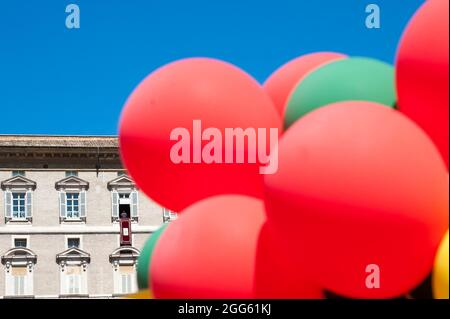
115, 201
169, 215
73, 199
65, 280
26, 237
8, 198
18, 172
19, 285
74, 288
70, 173
21, 196
126, 284
67, 237
82, 205
118, 281
10, 287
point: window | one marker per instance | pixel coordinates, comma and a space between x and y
19, 274
19, 280
18, 198
19, 285
71, 173
126, 283
18, 173
19, 265
74, 284
18, 205
124, 196
169, 215
20, 242
124, 264
72, 199
72, 206
73, 270
73, 279
125, 277
73, 242
124, 204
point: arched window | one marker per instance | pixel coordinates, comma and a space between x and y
73, 264
124, 263
19, 265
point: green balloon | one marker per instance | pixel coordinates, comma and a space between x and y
343, 80
143, 271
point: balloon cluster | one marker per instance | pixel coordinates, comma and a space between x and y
359, 203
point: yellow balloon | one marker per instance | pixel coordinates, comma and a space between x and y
141, 294
440, 271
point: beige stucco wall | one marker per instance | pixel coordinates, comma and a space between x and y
45, 199
48, 236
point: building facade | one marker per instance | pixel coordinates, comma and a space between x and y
61, 201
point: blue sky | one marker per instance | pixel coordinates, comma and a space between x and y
59, 81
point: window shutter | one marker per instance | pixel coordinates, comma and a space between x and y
29, 204
115, 204
134, 203
62, 204
83, 204
8, 204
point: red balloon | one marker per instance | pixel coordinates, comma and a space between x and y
423, 72
280, 271
218, 248
368, 191
280, 84
209, 251
186, 98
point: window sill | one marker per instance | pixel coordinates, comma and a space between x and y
72, 220
19, 297
18, 221
116, 220
80, 296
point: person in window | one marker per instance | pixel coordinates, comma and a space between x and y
123, 215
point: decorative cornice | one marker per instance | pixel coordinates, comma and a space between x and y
19, 255
18, 182
73, 255
72, 182
123, 181
127, 253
